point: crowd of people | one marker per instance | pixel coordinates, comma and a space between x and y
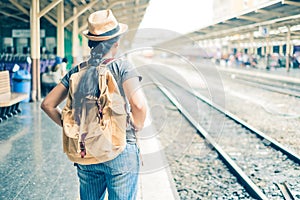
53, 74
244, 59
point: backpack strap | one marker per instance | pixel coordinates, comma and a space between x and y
105, 75
83, 65
102, 64
106, 62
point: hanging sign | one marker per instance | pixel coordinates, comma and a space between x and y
25, 33
264, 31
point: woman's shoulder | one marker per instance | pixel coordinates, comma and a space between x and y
120, 62
118, 65
66, 78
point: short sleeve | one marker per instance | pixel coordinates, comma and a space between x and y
128, 71
66, 78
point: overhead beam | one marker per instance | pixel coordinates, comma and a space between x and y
270, 13
85, 8
50, 20
14, 16
49, 7
25, 11
249, 18
294, 3
19, 6
75, 2
251, 26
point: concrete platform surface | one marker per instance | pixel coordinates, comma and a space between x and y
33, 165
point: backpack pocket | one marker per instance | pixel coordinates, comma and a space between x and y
70, 128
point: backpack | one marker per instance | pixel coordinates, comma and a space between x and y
94, 117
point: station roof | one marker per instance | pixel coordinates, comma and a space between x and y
130, 12
274, 15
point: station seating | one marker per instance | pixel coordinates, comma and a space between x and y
9, 101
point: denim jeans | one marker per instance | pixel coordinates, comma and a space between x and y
119, 176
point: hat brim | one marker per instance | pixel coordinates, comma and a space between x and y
123, 29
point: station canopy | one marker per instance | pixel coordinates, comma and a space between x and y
14, 12
271, 19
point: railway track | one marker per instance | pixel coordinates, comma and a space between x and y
282, 87
259, 162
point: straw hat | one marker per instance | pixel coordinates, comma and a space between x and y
102, 25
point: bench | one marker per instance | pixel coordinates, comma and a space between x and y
9, 101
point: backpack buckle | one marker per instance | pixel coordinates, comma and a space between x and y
100, 113
82, 149
82, 146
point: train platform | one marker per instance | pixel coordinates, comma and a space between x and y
33, 165
293, 75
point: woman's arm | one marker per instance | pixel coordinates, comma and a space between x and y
134, 93
51, 102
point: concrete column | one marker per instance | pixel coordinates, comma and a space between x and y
251, 50
86, 50
281, 49
271, 48
60, 30
35, 50
75, 40
263, 52
268, 45
288, 49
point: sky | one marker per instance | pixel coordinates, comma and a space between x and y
181, 16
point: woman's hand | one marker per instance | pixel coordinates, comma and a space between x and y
50, 104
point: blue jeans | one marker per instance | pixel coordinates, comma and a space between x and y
119, 176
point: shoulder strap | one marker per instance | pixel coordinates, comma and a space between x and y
105, 76
106, 62
82, 65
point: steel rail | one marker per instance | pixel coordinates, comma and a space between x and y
277, 89
285, 191
251, 188
292, 155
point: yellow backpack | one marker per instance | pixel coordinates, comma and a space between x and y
94, 124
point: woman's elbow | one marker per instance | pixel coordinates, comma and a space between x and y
45, 106
141, 107
139, 112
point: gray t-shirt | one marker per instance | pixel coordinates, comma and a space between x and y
122, 71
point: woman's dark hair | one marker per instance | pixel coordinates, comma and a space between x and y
100, 48
89, 83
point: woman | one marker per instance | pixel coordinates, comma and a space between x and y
120, 175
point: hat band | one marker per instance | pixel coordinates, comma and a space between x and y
108, 33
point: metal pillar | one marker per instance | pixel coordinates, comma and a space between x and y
281, 49
255, 50
288, 49
251, 52
268, 45
86, 50
75, 40
60, 30
35, 50
263, 52
271, 48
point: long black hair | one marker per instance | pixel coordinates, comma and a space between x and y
89, 83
